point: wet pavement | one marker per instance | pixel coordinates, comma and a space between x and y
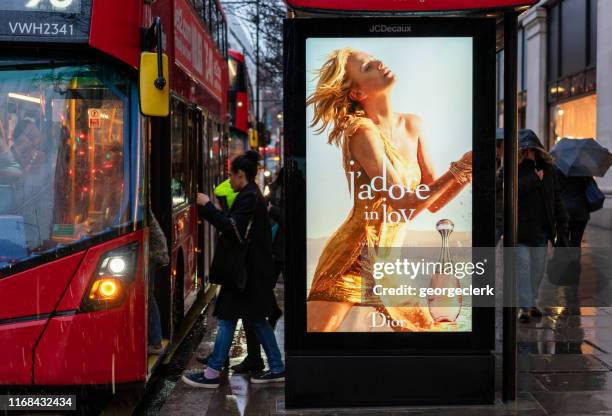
565, 360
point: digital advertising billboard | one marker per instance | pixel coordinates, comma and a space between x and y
390, 189
389, 203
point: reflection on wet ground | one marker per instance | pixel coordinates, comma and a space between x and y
565, 359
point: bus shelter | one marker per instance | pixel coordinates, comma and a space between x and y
390, 155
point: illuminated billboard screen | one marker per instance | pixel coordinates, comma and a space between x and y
48, 21
389, 202
61, 6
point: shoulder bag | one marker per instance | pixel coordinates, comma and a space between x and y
563, 268
595, 198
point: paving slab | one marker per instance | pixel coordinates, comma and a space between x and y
547, 363
557, 347
575, 403
525, 405
592, 381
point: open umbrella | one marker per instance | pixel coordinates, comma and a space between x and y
581, 157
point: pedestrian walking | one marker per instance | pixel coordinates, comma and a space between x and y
276, 208
541, 218
573, 195
252, 302
253, 361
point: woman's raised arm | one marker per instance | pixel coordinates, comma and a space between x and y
368, 150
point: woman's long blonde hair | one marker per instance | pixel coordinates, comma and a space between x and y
331, 102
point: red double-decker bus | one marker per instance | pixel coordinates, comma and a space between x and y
81, 168
239, 102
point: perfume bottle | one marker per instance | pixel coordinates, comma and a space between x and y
442, 307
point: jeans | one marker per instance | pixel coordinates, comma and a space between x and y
155, 330
530, 265
265, 336
253, 348
154, 324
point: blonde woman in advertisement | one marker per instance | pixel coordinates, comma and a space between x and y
352, 101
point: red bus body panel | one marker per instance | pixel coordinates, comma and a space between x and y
115, 29
38, 290
76, 348
198, 71
406, 5
97, 347
16, 346
241, 115
236, 55
242, 112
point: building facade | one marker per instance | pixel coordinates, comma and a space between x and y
565, 77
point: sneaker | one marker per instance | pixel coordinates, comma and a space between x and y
523, 316
154, 349
198, 380
268, 377
249, 366
534, 312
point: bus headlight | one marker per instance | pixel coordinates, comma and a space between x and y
108, 288
117, 265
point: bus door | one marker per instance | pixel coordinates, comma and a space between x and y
206, 187
200, 187
162, 209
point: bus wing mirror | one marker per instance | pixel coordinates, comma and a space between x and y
154, 86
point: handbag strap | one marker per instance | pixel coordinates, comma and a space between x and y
248, 230
246, 234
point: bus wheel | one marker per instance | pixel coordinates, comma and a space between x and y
178, 301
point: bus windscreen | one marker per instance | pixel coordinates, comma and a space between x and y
62, 163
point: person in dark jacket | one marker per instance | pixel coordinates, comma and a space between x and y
254, 304
573, 195
253, 361
541, 218
276, 208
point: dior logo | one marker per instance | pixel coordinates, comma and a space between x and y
391, 29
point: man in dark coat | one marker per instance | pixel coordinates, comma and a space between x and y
541, 218
573, 195
247, 220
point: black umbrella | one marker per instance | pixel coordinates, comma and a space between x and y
581, 157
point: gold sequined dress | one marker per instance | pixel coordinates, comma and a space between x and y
344, 270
